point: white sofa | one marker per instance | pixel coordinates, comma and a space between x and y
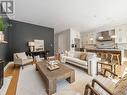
73, 57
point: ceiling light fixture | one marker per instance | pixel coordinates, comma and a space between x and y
113, 36
100, 37
91, 39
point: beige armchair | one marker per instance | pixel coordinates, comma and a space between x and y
104, 85
21, 59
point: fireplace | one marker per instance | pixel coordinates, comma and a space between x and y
1, 72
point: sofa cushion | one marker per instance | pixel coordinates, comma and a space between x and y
25, 61
76, 60
71, 53
107, 82
121, 86
21, 55
66, 53
77, 54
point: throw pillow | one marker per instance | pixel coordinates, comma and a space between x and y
21, 55
121, 86
66, 53
77, 54
57, 56
38, 58
83, 56
16, 56
71, 54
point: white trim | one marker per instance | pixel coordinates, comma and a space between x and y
5, 86
8, 65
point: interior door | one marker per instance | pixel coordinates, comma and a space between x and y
61, 42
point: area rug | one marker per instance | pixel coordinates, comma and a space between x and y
30, 83
5, 86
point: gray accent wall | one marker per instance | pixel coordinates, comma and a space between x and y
22, 32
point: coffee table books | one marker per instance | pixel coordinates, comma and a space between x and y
52, 67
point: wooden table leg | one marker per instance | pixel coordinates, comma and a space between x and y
51, 89
101, 68
36, 68
111, 68
71, 79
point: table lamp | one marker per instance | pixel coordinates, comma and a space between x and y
31, 45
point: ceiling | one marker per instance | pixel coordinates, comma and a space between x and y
82, 15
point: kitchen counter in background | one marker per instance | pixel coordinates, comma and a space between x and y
109, 51
105, 50
125, 55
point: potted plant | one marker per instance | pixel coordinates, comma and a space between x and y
1, 25
2, 28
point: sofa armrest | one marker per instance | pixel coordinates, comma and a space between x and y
112, 73
18, 61
92, 58
92, 90
29, 57
101, 85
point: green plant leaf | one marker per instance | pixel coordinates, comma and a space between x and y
1, 24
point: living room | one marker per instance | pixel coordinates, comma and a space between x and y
61, 47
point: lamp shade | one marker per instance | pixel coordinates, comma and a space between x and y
30, 44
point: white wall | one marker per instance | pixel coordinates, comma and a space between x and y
56, 42
62, 40
65, 39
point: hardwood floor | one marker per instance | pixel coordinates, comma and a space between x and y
14, 72
121, 69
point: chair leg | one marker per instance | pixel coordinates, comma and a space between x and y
114, 68
111, 58
118, 60
22, 67
14, 65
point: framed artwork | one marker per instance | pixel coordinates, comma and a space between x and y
39, 45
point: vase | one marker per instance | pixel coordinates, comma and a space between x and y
1, 36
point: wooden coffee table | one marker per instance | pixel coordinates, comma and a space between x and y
51, 77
